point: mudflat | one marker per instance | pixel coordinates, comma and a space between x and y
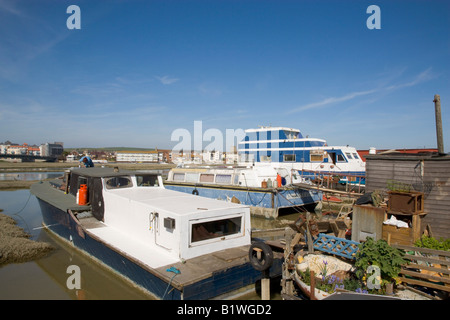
16, 245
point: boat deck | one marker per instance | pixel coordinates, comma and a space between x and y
203, 269
199, 272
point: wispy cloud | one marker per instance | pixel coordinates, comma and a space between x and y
420, 78
332, 100
167, 80
9, 7
424, 76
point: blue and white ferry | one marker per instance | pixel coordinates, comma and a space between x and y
288, 148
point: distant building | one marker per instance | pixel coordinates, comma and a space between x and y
16, 149
139, 156
51, 149
204, 157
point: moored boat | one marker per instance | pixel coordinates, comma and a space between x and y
174, 245
289, 149
266, 189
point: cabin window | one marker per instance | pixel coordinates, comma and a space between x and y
290, 134
191, 177
349, 155
265, 158
215, 229
340, 158
178, 176
316, 157
289, 157
355, 155
147, 180
118, 182
207, 177
223, 178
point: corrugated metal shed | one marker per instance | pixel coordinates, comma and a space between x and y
427, 173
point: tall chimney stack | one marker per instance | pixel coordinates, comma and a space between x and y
439, 135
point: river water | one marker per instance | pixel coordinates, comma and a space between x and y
46, 278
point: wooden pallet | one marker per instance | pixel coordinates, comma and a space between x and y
427, 268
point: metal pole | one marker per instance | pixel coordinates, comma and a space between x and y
439, 134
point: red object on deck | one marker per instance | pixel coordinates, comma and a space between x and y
279, 181
82, 195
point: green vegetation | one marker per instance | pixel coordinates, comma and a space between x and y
379, 253
432, 243
398, 186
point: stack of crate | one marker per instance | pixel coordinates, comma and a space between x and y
408, 207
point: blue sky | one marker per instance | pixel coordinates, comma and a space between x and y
138, 70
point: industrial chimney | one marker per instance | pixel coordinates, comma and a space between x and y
439, 135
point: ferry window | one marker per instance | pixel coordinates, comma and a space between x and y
118, 182
215, 229
316, 157
290, 134
355, 155
340, 158
223, 178
147, 180
265, 158
206, 177
178, 177
191, 177
349, 155
289, 157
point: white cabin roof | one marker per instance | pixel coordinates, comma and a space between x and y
177, 203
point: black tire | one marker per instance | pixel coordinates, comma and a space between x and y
266, 260
195, 192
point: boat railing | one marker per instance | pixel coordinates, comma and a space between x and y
331, 179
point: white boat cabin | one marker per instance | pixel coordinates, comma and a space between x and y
252, 176
176, 225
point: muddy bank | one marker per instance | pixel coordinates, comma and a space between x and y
16, 245
15, 184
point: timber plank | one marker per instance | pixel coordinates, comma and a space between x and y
425, 276
424, 284
423, 267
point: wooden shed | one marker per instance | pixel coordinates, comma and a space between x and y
428, 173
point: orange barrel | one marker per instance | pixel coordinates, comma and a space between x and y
82, 195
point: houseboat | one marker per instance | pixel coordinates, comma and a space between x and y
267, 190
288, 148
172, 244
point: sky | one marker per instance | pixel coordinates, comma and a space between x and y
135, 73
